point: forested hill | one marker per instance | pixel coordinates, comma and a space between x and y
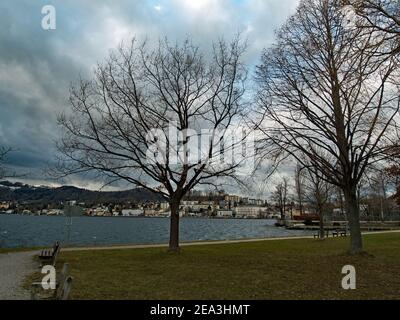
10, 191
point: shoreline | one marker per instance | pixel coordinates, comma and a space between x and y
197, 243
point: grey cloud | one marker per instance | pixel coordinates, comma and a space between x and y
37, 66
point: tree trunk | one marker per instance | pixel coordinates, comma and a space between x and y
353, 216
174, 226
321, 226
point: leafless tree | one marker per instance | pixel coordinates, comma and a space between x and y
139, 119
299, 186
379, 16
317, 193
379, 183
280, 196
326, 98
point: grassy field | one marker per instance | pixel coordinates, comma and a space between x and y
10, 250
283, 269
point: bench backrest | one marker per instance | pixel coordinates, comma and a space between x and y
63, 274
64, 292
62, 280
55, 255
56, 246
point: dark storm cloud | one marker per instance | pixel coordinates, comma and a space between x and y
37, 66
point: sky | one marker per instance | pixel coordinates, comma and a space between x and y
37, 66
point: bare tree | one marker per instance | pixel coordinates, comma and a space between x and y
317, 193
139, 119
326, 98
299, 186
378, 184
379, 16
280, 196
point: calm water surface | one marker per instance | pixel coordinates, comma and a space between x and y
26, 231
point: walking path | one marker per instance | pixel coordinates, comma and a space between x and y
14, 267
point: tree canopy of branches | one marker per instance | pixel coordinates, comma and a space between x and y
138, 119
299, 186
327, 98
382, 16
317, 193
280, 196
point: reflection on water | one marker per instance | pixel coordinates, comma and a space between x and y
26, 231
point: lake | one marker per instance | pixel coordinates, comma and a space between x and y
28, 231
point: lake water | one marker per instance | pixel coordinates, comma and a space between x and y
27, 231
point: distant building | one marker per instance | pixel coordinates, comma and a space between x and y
164, 205
232, 198
247, 212
132, 212
205, 207
99, 212
55, 212
225, 213
150, 212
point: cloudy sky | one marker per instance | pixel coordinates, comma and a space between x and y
37, 66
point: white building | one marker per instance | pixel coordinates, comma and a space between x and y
100, 212
55, 212
225, 213
187, 203
195, 206
247, 212
132, 212
164, 205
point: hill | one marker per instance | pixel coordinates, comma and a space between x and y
16, 191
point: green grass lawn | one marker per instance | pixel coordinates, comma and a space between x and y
282, 269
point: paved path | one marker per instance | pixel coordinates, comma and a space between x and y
14, 267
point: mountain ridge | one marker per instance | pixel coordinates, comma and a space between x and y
17, 191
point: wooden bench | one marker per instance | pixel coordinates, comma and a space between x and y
339, 232
49, 256
62, 291
318, 234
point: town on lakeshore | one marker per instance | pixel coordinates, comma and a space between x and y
203, 204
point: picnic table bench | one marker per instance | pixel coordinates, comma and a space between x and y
318, 234
49, 256
62, 291
339, 232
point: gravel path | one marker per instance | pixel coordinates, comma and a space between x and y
14, 267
